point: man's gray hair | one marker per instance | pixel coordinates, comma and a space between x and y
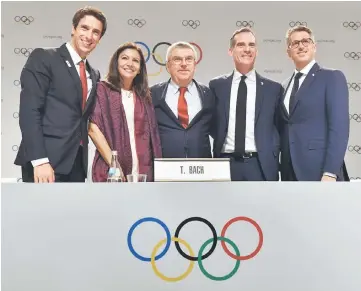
180, 44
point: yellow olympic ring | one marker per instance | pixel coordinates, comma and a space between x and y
160, 67
159, 274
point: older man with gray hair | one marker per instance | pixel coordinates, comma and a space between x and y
184, 108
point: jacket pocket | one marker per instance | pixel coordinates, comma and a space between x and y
316, 144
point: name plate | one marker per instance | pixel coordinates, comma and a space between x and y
191, 170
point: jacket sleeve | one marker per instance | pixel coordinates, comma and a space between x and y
35, 82
338, 123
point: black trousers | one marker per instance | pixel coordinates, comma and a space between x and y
77, 173
248, 169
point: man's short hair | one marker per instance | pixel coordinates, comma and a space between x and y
296, 29
180, 44
88, 10
232, 41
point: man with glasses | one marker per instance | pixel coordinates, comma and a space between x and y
246, 104
184, 108
314, 115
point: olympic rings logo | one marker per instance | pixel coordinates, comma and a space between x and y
356, 117
24, 19
352, 24
244, 23
137, 22
15, 148
157, 58
352, 55
297, 23
16, 83
354, 86
200, 256
354, 149
192, 23
24, 51
16, 115
355, 178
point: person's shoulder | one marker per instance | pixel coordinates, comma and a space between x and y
158, 86
220, 78
268, 81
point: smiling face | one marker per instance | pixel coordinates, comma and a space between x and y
182, 65
129, 64
244, 51
301, 48
86, 35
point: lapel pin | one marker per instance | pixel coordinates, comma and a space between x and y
67, 62
262, 83
313, 75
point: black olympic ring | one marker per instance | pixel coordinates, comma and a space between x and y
355, 148
352, 24
16, 115
297, 23
24, 51
214, 233
244, 23
352, 55
16, 82
24, 19
356, 117
192, 23
354, 86
15, 148
137, 22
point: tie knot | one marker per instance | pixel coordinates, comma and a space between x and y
243, 77
81, 63
298, 75
182, 90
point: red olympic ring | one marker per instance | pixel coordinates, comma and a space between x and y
260, 234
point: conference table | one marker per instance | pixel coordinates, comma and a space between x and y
181, 236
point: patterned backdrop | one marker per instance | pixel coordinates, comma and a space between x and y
208, 25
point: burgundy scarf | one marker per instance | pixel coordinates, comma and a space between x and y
109, 116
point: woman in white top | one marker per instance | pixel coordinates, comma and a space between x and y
124, 118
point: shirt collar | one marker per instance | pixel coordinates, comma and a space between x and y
251, 75
306, 69
175, 88
74, 55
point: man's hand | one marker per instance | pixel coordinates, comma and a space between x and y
328, 179
44, 174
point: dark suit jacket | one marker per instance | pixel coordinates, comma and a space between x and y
317, 129
267, 142
176, 141
51, 119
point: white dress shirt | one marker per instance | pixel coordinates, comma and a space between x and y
194, 103
128, 103
250, 144
304, 71
76, 60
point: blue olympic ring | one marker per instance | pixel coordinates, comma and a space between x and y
137, 223
147, 48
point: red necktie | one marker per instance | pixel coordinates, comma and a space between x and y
84, 83
183, 108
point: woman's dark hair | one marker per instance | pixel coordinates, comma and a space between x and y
140, 82
92, 11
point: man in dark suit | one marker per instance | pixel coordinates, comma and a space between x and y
57, 95
314, 115
184, 108
245, 127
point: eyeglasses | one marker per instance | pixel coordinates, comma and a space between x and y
178, 60
305, 42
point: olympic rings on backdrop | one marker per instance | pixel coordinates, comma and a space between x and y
191, 257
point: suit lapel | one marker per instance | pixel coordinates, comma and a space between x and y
93, 77
283, 106
227, 93
259, 96
68, 62
202, 96
305, 85
163, 104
